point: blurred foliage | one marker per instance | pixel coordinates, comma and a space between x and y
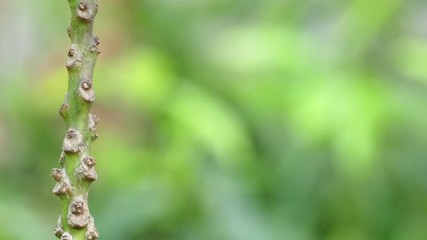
230, 120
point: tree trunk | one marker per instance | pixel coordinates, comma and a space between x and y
77, 172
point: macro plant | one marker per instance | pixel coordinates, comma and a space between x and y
78, 172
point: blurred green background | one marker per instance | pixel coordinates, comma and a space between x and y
225, 120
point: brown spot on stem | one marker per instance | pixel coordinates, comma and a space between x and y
71, 52
86, 85
71, 133
82, 6
86, 12
57, 174
86, 92
97, 40
89, 162
62, 188
77, 207
86, 170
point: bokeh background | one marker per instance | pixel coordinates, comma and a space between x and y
225, 120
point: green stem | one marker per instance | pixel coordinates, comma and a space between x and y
74, 179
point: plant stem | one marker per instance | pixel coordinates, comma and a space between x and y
77, 172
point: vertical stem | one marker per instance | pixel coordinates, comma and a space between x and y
77, 172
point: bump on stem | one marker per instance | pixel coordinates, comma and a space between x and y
86, 92
59, 229
69, 31
62, 158
86, 170
63, 186
74, 56
93, 121
92, 233
64, 110
78, 214
86, 12
57, 174
73, 141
